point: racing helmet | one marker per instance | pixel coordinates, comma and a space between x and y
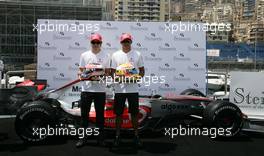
126, 69
93, 69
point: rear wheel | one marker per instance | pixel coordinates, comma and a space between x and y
19, 96
192, 92
32, 121
156, 96
223, 115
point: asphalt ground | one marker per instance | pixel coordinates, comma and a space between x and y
246, 144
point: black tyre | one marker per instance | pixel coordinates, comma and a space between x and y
193, 92
37, 115
224, 115
19, 96
156, 96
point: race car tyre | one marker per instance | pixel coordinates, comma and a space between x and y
193, 92
225, 117
19, 96
156, 96
34, 120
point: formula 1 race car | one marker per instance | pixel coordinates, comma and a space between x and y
62, 107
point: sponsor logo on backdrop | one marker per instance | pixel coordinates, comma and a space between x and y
152, 74
167, 47
181, 77
108, 26
181, 37
61, 56
164, 27
77, 46
74, 67
138, 27
181, 57
61, 77
47, 46
139, 46
167, 88
61, 36
109, 46
195, 67
46, 67
153, 37
152, 58
196, 47
167, 68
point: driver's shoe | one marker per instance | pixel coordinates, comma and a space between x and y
101, 142
137, 142
81, 142
117, 141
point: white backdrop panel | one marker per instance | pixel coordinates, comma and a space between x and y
180, 57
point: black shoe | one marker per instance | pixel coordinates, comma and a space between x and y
101, 142
81, 143
100, 139
138, 143
116, 141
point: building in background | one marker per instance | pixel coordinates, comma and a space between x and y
192, 6
108, 10
185, 10
259, 11
249, 21
256, 33
248, 9
18, 41
141, 10
177, 6
176, 9
220, 13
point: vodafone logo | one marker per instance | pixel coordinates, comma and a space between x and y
142, 115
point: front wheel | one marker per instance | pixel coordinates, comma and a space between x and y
33, 120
